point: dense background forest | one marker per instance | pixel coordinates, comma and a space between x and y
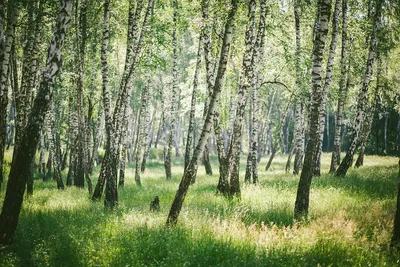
217, 114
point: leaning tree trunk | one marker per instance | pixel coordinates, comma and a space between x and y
223, 184
29, 71
114, 126
327, 85
5, 52
362, 100
343, 87
321, 32
20, 168
369, 116
121, 106
191, 170
167, 161
189, 139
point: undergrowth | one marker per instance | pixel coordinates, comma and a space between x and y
349, 223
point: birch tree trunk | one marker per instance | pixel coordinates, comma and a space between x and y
55, 153
343, 87
299, 137
79, 179
20, 168
327, 85
122, 163
167, 162
245, 84
191, 170
321, 32
149, 139
257, 57
42, 161
142, 127
299, 113
5, 52
362, 100
29, 70
121, 106
223, 184
369, 116
98, 191
189, 139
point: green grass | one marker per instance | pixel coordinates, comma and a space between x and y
350, 222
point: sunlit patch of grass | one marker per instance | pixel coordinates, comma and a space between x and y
350, 221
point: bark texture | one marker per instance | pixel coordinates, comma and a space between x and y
327, 85
167, 162
321, 32
191, 170
362, 98
343, 86
20, 168
6, 41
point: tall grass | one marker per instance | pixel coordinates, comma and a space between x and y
350, 222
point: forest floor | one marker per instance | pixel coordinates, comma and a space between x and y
350, 222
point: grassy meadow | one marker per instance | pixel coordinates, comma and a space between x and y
350, 222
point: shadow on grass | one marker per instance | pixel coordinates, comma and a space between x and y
52, 238
60, 239
378, 182
185, 247
372, 182
276, 216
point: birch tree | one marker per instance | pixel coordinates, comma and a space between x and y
191, 170
320, 33
25, 153
327, 84
167, 161
362, 98
6, 41
343, 86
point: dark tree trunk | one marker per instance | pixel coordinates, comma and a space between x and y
206, 158
5, 52
271, 158
21, 166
